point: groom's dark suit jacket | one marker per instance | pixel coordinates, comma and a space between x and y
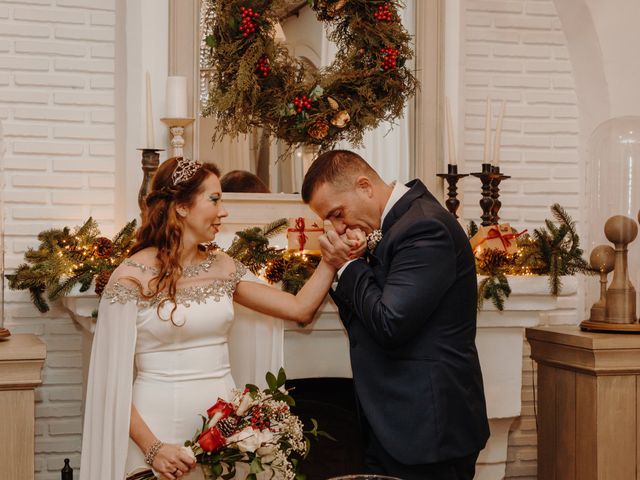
410, 311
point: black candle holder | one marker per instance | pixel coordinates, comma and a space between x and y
452, 176
495, 193
486, 202
150, 162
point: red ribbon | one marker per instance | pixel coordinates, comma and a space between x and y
494, 232
300, 228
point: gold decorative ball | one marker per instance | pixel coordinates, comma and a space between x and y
620, 229
603, 258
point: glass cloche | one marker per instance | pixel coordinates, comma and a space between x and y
612, 187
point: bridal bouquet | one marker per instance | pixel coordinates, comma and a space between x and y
256, 429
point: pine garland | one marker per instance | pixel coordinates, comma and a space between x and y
254, 82
553, 251
65, 259
251, 246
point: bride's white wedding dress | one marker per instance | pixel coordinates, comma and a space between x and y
181, 366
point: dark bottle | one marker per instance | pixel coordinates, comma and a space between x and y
67, 472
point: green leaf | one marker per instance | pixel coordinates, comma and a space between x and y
308, 449
255, 466
252, 388
210, 40
216, 468
282, 377
322, 433
230, 475
271, 381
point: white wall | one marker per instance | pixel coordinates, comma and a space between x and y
57, 109
517, 51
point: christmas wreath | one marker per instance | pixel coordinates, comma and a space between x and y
254, 82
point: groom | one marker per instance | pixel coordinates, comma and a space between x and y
409, 308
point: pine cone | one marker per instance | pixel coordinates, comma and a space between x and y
319, 129
227, 426
492, 260
103, 247
101, 281
275, 270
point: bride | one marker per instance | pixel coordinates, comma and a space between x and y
160, 353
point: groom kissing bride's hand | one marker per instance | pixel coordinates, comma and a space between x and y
337, 250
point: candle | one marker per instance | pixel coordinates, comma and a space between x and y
150, 137
279, 33
496, 142
450, 135
487, 134
176, 101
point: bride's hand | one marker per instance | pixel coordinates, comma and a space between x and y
173, 461
357, 239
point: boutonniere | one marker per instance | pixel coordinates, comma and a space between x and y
373, 239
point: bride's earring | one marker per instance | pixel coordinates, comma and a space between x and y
182, 212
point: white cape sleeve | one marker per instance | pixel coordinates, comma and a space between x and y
109, 389
255, 343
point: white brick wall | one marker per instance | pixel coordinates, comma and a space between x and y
57, 112
516, 51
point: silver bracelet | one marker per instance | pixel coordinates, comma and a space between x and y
150, 456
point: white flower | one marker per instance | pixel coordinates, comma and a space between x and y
245, 403
267, 453
213, 420
373, 239
189, 452
246, 440
265, 436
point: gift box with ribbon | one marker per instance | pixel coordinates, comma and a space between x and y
495, 237
303, 235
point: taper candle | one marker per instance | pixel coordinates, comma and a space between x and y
450, 135
496, 141
150, 135
487, 134
176, 100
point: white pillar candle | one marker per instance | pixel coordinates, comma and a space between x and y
150, 136
487, 134
176, 103
496, 142
450, 135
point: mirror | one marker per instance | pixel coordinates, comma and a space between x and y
388, 148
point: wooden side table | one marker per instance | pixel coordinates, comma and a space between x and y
21, 360
588, 403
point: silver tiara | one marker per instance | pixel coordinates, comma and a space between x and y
185, 169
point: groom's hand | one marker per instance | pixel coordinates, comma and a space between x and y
336, 250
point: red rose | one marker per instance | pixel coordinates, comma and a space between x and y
225, 408
211, 440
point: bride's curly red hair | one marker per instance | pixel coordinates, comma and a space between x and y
161, 227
